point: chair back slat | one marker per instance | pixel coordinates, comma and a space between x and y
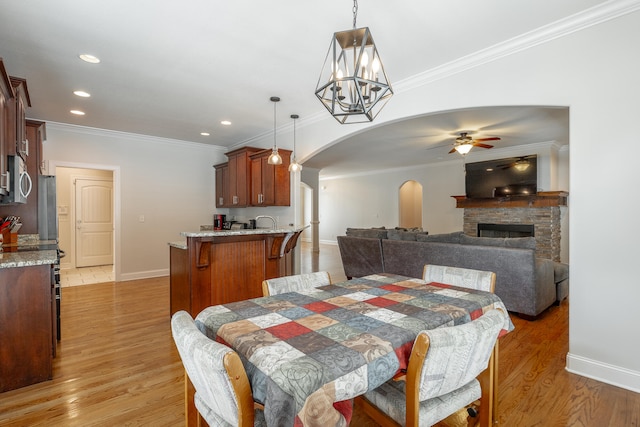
296, 283
462, 277
456, 355
226, 395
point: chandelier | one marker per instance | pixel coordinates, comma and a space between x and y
353, 85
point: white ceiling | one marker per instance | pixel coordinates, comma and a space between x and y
174, 69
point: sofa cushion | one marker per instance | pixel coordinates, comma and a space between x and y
372, 233
404, 234
360, 256
560, 272
442, 238
504, 242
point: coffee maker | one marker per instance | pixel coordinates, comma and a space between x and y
218, 221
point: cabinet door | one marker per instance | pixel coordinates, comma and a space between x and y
270, 184
6, 94
25, 326
21, 103
222, 185
261, 191
282, 182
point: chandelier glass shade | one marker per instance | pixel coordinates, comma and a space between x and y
353, 85
274, 158
464, 148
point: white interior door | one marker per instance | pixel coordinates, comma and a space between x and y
94, 222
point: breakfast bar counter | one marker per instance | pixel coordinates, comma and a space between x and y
219, 267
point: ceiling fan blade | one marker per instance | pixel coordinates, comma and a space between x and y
453, 150
487, 139
475, 144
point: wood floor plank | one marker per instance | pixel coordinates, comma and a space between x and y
117, 365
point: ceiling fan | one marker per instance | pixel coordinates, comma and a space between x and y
464, 143
521, 163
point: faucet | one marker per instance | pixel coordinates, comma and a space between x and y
267, 216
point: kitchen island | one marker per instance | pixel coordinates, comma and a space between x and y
218, 267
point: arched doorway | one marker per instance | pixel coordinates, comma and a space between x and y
410, 205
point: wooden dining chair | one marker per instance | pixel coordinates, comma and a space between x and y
295, 283
462, 277
449, 368
223, 394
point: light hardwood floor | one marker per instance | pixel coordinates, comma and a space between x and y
117, 366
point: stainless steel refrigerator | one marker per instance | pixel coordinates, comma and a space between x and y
48, 230
47, 210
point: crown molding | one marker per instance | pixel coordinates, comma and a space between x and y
593, 16
107, 133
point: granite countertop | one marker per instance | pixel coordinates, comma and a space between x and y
182, 244
240, 232
28, 253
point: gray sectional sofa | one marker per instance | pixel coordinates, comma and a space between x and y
526, 284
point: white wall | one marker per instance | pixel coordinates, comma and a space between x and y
592, 71
170, 182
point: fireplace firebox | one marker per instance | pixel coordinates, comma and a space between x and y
506, 230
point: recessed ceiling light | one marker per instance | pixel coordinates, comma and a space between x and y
77, 112
89, 58
81, 93
225, 122
204, 133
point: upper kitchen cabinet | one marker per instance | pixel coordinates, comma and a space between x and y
6, 100
239, 177
28, 211
222, 185
19, 132
270, 184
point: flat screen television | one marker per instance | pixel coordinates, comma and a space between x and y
513, 176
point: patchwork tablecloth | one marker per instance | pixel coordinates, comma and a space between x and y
305, 351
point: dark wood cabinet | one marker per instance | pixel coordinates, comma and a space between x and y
222, 185
28, 212
234, 178
248, 180
270, 184
240, 176
18, 133
26, 326
6, 99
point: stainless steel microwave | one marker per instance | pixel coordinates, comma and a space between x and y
19, 181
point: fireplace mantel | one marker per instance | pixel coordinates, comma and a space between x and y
541, 199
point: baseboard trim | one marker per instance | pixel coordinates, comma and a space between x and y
124, 277
610, 374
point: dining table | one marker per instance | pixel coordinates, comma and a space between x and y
309, 353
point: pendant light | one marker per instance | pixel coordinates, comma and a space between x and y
353, 85
274, 158
294, 166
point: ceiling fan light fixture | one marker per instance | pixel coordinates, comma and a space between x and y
464, 148
274, 158
353, 85
521, 165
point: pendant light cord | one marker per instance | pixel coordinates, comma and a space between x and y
355, 12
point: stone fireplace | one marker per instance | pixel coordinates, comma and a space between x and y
542, 211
